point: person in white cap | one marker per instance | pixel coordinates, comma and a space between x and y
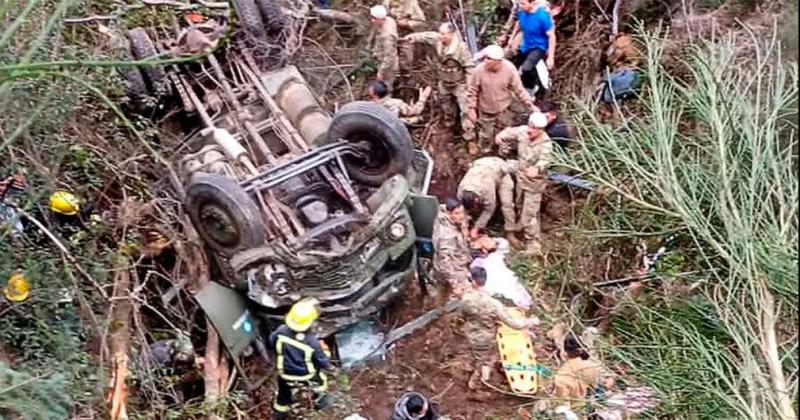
534, 150
452, 68
384, 47
491, 89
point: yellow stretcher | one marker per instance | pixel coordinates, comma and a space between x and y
518, 356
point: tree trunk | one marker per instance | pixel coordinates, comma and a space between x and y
119, 341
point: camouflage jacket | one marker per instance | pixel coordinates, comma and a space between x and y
384, 46
536, 153
451, 248
481, 313
405, 9
483, 178
457, 50
400, 108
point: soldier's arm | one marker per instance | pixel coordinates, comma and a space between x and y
545, 157
273, 338
319, 358
466, 59
506, 136
419, 106
406, 110
427, 37
417, 15
502, 314
472, 92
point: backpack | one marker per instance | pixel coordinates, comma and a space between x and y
620, 85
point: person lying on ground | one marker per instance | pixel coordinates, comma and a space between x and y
502, 283
490, 91
414, 406
481, 313
378, 92
557, 129
487, 179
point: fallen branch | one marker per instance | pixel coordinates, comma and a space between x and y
421, 321
334, 16
615, 18
119, 342
68, 255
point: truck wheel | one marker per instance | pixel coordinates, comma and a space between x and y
250, 18
136, 89
389, 142
142, 47
272, 14
225, 217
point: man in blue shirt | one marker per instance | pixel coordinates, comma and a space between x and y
538, 40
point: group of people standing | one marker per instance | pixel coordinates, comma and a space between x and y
491, 93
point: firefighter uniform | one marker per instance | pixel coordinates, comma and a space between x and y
300, 361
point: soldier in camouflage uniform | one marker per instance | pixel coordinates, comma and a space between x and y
408, 13
481, 313
453, 68
490, 92
485, 180
379, 92
451, 249
534, 150
384, 46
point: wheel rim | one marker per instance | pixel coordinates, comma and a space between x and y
218, 225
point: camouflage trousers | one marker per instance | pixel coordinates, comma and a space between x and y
484, 355
488, 127
458, 92
505, 193
529, 194
389, 75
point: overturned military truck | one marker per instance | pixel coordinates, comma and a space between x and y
289, 201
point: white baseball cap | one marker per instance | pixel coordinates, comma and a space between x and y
378, 12
538, 120
494, 52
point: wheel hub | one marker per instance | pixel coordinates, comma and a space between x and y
218, 225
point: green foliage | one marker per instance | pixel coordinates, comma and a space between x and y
715, 160
33, 397
672, 347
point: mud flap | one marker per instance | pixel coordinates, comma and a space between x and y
424, 209
228, 313
518, 357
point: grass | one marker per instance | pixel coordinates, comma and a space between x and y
713, 157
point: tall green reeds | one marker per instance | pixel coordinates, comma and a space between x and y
713, 153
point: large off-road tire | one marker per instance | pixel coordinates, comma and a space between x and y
250, 18
142, 47
273, 16
136, 89
390, 150
226, 218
